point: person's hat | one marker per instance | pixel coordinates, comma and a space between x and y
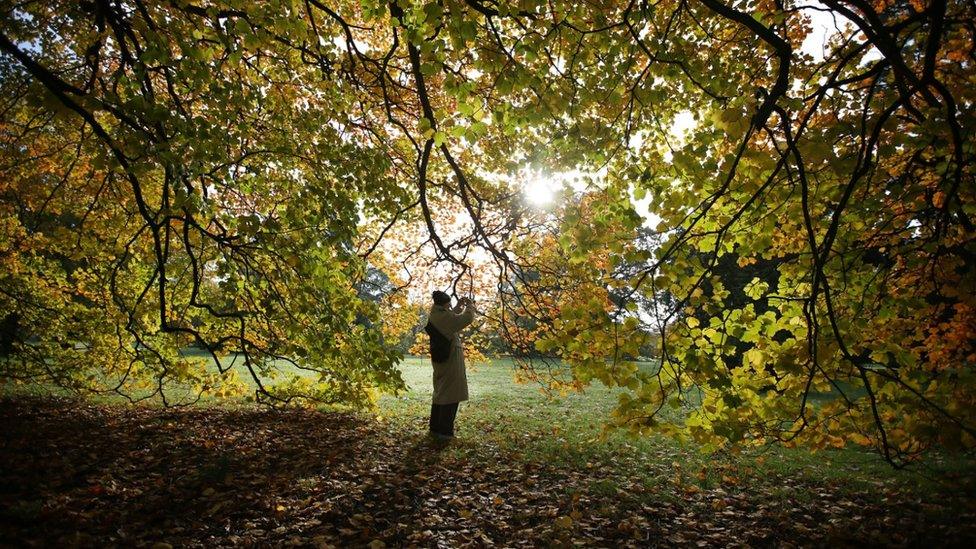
440, 298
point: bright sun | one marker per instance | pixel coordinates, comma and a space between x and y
539, 190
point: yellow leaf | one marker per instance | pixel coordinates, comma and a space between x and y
858, 438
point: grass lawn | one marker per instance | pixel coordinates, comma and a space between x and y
525, 470
569, 431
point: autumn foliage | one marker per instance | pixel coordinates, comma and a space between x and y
229, 176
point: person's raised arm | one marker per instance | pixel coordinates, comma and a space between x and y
457, 321
469, 312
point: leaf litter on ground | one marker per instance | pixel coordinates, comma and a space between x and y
79, 474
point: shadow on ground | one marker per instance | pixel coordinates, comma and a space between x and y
77, 474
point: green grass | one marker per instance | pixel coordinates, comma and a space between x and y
520, 421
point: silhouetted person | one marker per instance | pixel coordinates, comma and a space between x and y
450, 380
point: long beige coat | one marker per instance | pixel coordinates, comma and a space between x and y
450, 380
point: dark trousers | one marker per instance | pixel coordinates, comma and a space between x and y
442, 418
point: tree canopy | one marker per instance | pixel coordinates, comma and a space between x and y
229, 175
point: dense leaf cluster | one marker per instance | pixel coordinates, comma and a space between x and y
221, 173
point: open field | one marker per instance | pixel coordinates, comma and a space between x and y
570, 431
525, 470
